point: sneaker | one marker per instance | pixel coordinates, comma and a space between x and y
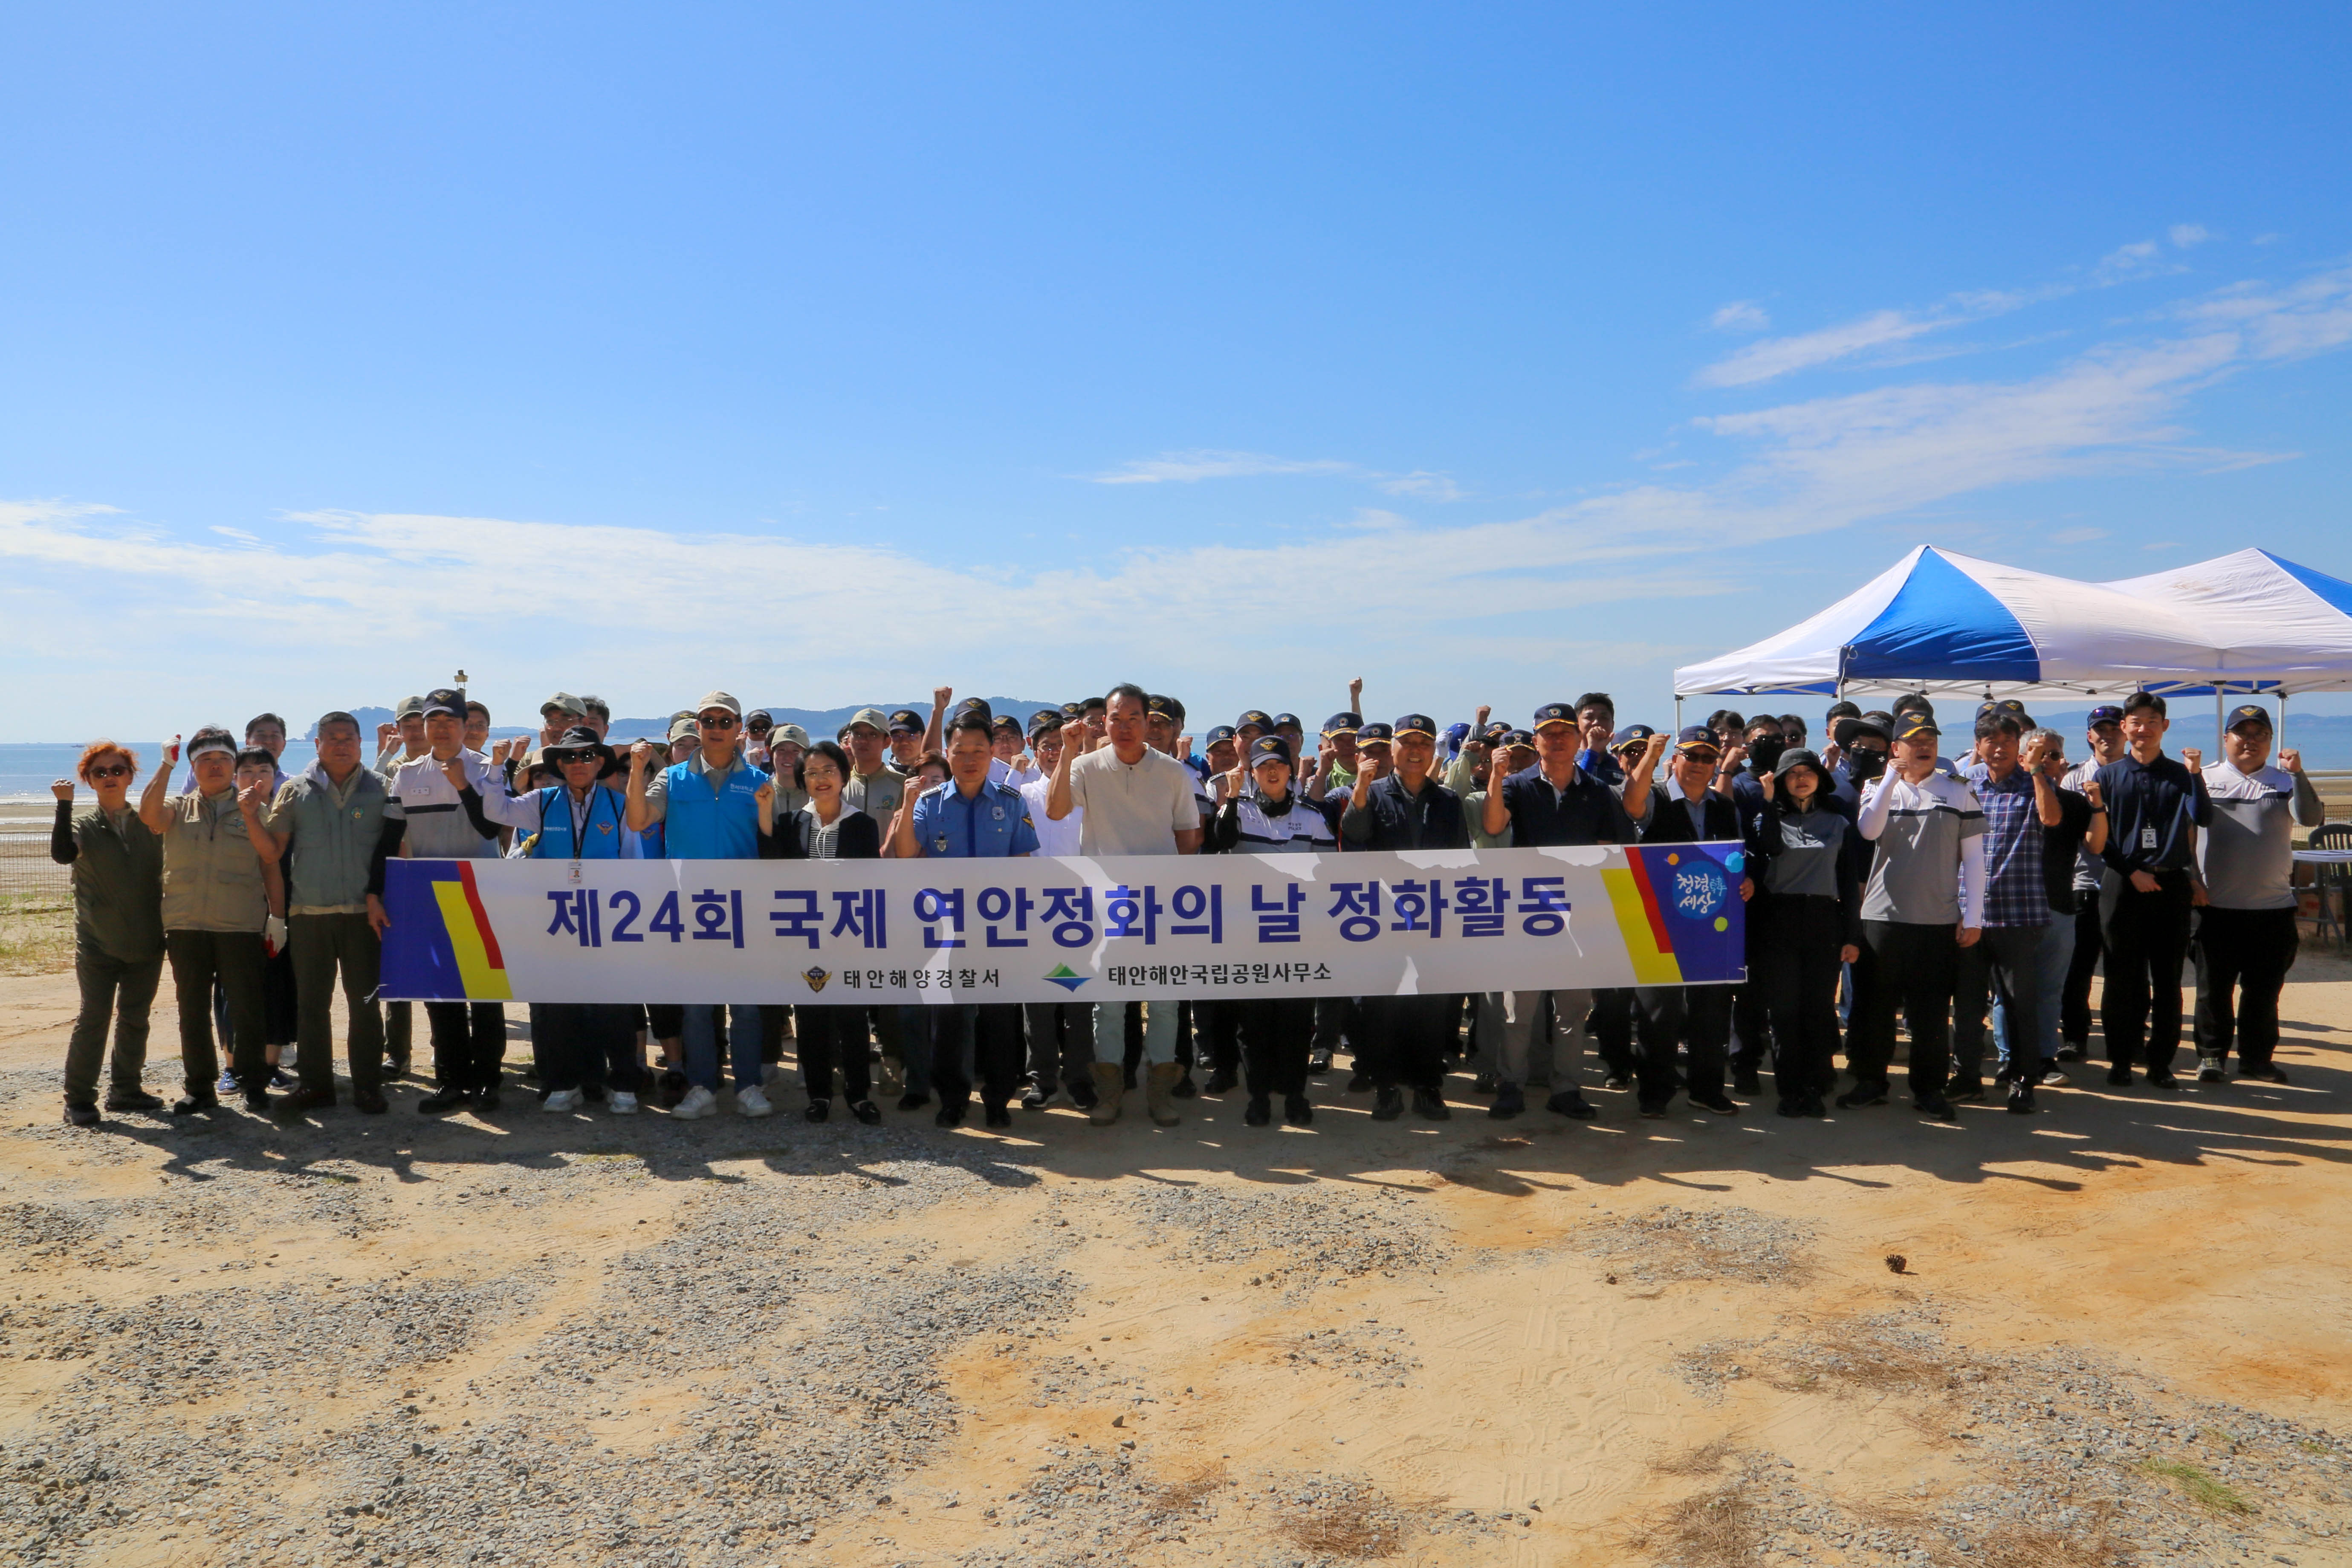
1935, 1106
867, 1112
1319, 1062
911, 1100
2209, 1070
1861, 1094
2120, 1077
1618, 1081
1186, 1088
1082, 1093
1718, 1102
279, 1078
818, 1110
486, 1101
770, 1072
227, 1084
1221, 1081
1967, 1088
699, 1102
1388, 1105
2070, 1052
2053, 1078
674, 1088
1360, 1083
442, 1099
1486, 1082
2269, 1072
1509, 1100
1259, 1112
753, 1101
1747, 1083
1569, 1103
2020, 1098
1033, 1096
2162, 1078
997, 1116
1297, 1111
624, 1103
82, 1114
1430, 1105
562, 1100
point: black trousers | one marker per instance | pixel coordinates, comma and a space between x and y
1697, 1018
2249, 951
1217, 1034
981, 1041
2002, 970
1799, 972
1061, 1042
1275, 1034
774, 1018
832, 1040
579, 1045
1405, 1040
1336, 1027
2147, 938
1613, 1029
470, 1041
235, 958
1911, 967
2075, 1006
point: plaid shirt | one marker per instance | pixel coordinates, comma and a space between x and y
2014, 895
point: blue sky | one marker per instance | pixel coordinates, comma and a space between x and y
831, 355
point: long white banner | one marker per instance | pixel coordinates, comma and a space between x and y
1062, 930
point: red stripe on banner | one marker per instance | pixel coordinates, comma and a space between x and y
1639, 864
481, 916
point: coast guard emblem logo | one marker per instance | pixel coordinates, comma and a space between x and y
816, 978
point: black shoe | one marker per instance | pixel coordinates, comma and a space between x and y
673, 1088
81, 1114
369, 1101
1128, 1075
1718, 1102
1319, 1062
2020, 1098
1033, 1098
818, 1110
996, 1116
1430, 1105
1747, 1083
1259, 1112
189, 1105
1811, 1105
1860, 1094
2001, 1075
1967, 1088
949, 1115
2053, 1078
1297, 1111
2120, 1077
1361, 1082
2070, 1052
1790, 1107
2269, 1072
486, 1101
2162, 1078
912, 1100
1618, 1081
594, 1093
2210, 1071
396, 1066
1082, 1094
866, 1111
442, 1099
1388, 1105
1185, 1088
1486, 1082
257, 1101
1221, 1081
1652, 1110
132, 1099
1938, 1107
1510, 1100
308, 1099
1569, 1103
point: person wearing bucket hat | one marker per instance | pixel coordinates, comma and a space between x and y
1808, 908
708, 808
585, 1051
2245, 936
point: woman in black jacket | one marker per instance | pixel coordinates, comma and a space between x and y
1809, 921
118, 884
830, 1038
1265, 817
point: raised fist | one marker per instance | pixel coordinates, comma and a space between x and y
63, 789
640, 754
2192, 759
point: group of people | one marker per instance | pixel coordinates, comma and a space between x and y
1887, 873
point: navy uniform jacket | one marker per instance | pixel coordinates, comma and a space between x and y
1587, 812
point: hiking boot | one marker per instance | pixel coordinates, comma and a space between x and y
81, 1113
1259, 1112
1509, 1100
1110, 1080
1387, 1104
1430, 1105
2020, 1098
1160, 1093
1297, 1111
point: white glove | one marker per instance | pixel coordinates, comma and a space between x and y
273, 934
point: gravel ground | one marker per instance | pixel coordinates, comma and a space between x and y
1666, 1244
1309, 1235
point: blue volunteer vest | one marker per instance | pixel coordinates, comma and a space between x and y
600, 840
701, 825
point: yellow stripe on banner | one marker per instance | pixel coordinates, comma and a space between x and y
1651, 967
483, 983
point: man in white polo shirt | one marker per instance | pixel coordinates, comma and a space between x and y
1136, 800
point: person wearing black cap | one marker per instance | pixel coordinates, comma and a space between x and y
1061, 1034
1334, 768
1010, 765
1596, 721
2154, 806
2245, 940
1695, 1017
1810, 915
1555, 803
1405, 809
1634, 750
2003, 968
1261, 815
1923, 902
1863, 742
910, 739
2104, 735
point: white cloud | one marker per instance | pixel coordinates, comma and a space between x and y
2186, 234
1190, 468
1422, 482
2077, 535
1739, 316
1780, 357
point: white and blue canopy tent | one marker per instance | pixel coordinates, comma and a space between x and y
1947, 624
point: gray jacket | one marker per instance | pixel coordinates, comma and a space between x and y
332, 835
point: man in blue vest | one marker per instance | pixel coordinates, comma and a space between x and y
970, 818
709, 810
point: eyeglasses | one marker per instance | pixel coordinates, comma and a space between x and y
114, 770
565, 759
723, 721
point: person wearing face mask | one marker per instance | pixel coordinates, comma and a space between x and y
1809, 916
1263, 815
1862, 746
2245, 938
117, 888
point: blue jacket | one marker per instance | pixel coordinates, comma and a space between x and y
700, 826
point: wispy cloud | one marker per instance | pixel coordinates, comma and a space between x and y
1424, 483
1190, 468
1739, 316
2185, 235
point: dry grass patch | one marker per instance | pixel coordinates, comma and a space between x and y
1668, 1243
1704, 1460
1191, 1491
1363, 1525
2031, 1546
37, 935
1716, 1529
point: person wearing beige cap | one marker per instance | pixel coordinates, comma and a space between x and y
559, 714
403, 740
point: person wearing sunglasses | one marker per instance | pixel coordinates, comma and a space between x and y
219, 868
117, 884
708, 808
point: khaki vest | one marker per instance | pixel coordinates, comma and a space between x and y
212, 877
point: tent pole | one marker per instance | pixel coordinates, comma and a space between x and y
2219, 713
2282, 723
1678, 713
